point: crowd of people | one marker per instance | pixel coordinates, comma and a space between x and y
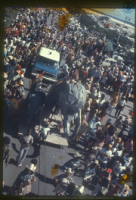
110, 151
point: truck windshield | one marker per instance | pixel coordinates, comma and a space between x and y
46, 61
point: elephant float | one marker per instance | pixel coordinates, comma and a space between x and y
69, 98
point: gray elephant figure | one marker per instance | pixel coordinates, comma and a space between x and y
69, 98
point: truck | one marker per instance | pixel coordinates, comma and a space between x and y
47, 64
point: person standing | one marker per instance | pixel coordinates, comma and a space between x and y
120, 106
27, 178
6, 150
26, 142
62, 182
114, 100
105, 156
127, 91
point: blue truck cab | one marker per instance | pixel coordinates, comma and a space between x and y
47, 63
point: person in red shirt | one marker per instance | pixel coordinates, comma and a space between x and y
15, 33
21, 71
84, 74
8, 30
19, 27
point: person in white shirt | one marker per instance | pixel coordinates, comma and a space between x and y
127, 159
117, 169
44, 132
102, 100
117, 155
105, 155
26, 142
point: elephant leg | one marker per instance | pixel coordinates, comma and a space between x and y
67, 122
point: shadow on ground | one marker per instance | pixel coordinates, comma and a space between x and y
41, 177
35, 153
49, 181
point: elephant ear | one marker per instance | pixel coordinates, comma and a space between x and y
72, 98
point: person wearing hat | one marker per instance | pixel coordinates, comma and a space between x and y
74, 164
71, 186
61, 186
28, 178
6, 150
69, 171
63, 181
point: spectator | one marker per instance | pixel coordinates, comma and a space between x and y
44, 132
125, 191
120, 107
6, 150
26, 142
105, 155
28, 178
118, 124
114, 100
63, 182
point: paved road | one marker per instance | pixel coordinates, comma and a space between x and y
47, 155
